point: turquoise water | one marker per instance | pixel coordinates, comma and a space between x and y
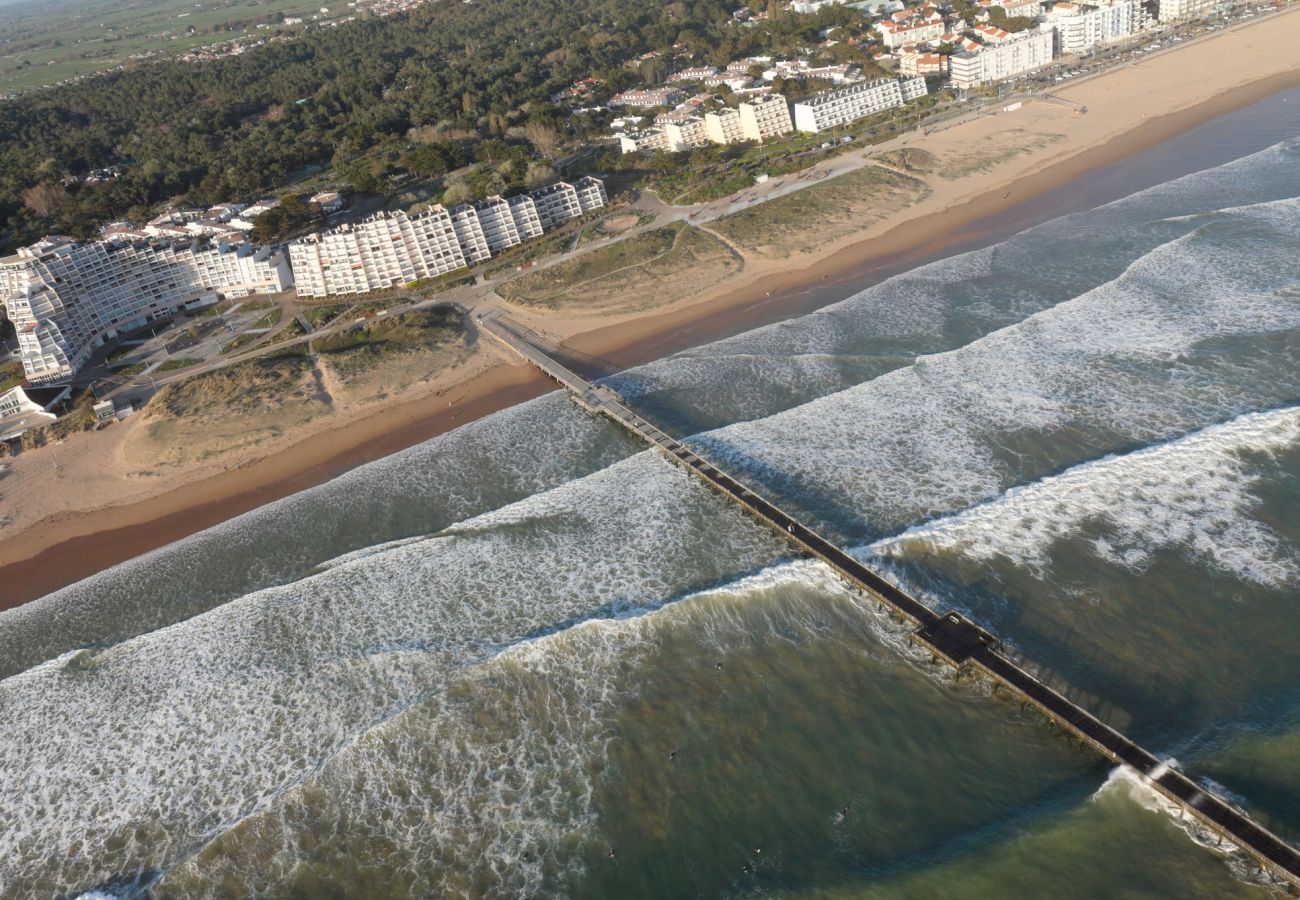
529, 659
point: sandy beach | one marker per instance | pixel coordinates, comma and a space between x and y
69, 510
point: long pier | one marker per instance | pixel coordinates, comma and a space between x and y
950, 636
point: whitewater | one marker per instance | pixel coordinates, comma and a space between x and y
522, 655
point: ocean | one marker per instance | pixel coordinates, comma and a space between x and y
530, 658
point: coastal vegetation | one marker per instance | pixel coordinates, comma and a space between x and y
78, 418
11, 374
650, 269
362, 98
245, 404
387, 354
227, 410
807, 219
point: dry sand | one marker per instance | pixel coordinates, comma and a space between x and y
72, 509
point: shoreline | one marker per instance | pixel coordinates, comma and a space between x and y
36, 562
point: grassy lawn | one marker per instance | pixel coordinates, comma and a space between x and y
647, 270
11, 374
172, 365
240, 343
319, 316
269, 320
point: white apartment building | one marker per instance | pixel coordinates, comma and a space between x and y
765, 117
724, 126
559, 202
591, 193
383, 250
394, 248
848, 104
66, 298
647, 141
1023, 53
1077, 28
469, 231
498, 220
527, 221
1178, 10
686, 133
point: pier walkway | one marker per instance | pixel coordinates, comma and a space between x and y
950, 636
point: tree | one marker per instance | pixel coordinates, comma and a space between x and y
294, 214
432, 160
544, 138
45, 199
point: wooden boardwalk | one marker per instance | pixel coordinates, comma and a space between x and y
950, 636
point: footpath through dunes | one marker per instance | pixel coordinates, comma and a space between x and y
950, 636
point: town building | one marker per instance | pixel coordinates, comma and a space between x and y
66, 298
922, 64
647, 98
848, 104
330, 202
697, 73
1015, 8
1181, 10
1078, 28
391, 249
1023, 53
907, 27
990, 34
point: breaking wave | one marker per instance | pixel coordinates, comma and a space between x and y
1193, 494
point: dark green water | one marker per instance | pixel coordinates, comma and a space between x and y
529, 659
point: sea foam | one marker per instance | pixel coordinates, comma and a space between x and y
1193, 494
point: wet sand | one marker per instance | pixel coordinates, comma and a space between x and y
65, 548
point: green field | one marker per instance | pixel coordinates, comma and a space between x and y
44, 43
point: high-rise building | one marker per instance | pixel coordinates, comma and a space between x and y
527, 221
848, 104
685, 134
385, 250
1023, 53
1078, 28
66, 298
393, 248
765, 117
469, 231
724, 126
